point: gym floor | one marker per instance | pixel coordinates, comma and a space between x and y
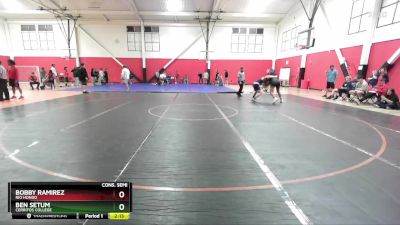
212, 158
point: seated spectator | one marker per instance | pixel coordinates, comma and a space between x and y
33, 79
163, 78
343, 91
389, 100
219, 80
373, 79
382, 73
360, 90
377, 91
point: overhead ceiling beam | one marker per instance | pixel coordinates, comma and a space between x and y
134, 9
106, 18
231, 15
56, 4
45, 7
146, 13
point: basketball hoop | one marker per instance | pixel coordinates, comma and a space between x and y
301, 47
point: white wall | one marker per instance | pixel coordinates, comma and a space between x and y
338, 12
173, 40
221, 44
3, 39
60, 42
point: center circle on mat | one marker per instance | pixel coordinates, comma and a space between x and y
353, 167
192, 112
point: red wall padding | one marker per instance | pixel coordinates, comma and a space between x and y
380, 53
45, 62
191, 67
3, 60
294, 63
254, 69
318, 63
114, 69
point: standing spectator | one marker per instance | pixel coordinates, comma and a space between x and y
66, 76
206, 76
226, 77
94, 74
101, 77
331, 76
389, 100
186, 79
3, 84
125, 75
200, 75
177, 77
50, 79
241, 80
216, 77
75, 72
106, 75
13, 78
42, 75
33, 79
55, 74
83, 77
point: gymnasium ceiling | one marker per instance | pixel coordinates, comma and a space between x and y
257, 11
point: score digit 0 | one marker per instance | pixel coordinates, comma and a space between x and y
121, 194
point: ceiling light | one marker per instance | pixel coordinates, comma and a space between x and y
257, 6
174, 5
14, 4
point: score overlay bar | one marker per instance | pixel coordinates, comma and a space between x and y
69, 200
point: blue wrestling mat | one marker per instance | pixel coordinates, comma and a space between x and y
152, 88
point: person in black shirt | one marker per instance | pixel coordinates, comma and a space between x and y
200, 75
273, 83
106, 75
75, 72
390, 100
347, 85
216, 77
226, 77
83, 77
257, 88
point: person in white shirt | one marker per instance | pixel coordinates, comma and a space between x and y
241, 80
125, 74
56, 78
100, 80
206, 76
163, 77
3, 84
